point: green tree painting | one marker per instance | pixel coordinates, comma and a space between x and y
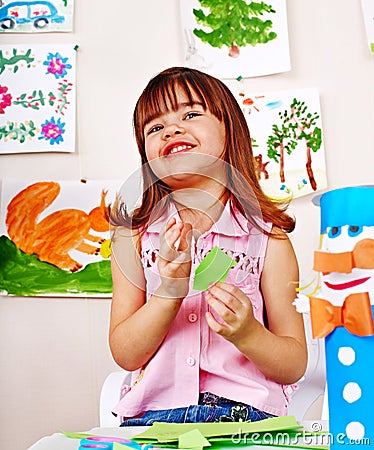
234, 23
297, 125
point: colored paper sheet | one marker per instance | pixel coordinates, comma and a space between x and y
76, 435
124, 446
193, 439
214, 267
170, 432
281, 432
284, 439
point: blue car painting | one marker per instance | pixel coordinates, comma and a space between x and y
39, 13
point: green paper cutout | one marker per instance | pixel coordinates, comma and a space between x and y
192, 439
169, 432
121, 446
76, 435
224, 435
214, 267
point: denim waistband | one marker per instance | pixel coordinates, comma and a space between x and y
209, 399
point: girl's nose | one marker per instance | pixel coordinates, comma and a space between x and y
172, 130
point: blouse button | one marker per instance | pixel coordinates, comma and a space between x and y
190, 361
192, 317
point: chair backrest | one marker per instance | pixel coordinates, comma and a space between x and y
110, 396
307, 401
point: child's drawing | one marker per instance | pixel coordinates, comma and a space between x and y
286, 132
55, 237
36, 16
37, 98
368, 13
235, 38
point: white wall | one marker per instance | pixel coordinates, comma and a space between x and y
54, 353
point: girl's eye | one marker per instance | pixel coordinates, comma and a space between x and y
154, 129
334, 232
354, 230
190, 115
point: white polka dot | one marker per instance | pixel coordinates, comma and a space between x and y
355, 430
351, 392
346, 355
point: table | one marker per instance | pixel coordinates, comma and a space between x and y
58, 441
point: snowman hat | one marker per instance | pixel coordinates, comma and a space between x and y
346, 206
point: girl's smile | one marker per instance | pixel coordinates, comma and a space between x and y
189, 128
177, 147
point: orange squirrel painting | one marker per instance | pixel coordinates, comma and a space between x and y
53, 237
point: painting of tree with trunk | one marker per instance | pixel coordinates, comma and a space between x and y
287, 139
297, 124
234, 24
236, 37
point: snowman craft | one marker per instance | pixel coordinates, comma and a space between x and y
342, 312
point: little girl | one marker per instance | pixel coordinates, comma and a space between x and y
227, 353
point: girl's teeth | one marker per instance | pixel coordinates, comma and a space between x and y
179, 148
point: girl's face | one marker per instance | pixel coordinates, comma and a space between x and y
184, 139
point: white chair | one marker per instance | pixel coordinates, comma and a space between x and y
308, 401
111, 395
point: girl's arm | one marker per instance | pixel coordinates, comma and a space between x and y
137, 328
280, 352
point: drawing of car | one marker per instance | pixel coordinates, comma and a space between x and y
39, 13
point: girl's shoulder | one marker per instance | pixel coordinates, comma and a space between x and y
124, 238
249, 225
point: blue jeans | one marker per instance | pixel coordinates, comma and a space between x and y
210, 408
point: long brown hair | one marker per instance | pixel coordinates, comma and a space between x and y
243, 187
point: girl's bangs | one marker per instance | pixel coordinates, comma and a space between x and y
163, 97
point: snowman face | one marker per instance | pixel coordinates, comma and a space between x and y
348, 238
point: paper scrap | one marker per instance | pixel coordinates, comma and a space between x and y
214, 267
170, 432
193, 439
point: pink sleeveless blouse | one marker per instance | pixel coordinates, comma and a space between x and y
192, 358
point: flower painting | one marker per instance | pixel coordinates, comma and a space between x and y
52, 131
37, 98
57, 65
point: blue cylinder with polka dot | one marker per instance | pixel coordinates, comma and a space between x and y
347, 231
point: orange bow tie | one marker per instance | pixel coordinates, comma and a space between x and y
355, 315
361, 257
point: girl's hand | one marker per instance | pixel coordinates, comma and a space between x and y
235, 321
174, 259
